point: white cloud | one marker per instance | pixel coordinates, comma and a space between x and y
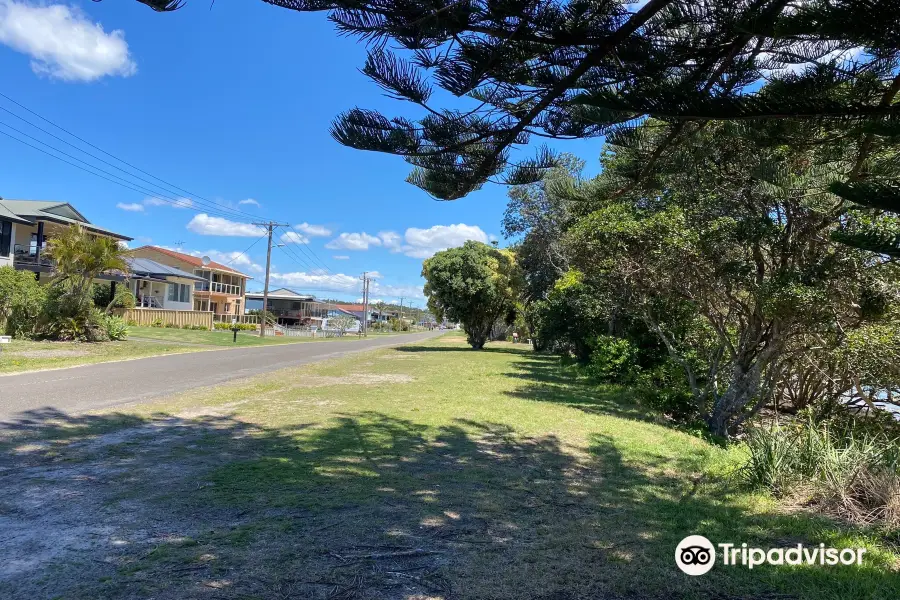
353, 241
340, 257
390, 239
313, 230
203, 224
338, 282
63, 42
156, 201
130, 207
416, 243
394, 292
292, 237
249, 201
423, 243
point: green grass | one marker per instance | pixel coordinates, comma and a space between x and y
26, 355
220, 338
513, 478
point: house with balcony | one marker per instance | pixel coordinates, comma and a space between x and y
218, 289
291, 308
27, 225
156, 285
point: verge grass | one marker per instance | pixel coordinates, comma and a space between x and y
219, 337
27, 355
427, 471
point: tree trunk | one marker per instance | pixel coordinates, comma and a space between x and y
742, 389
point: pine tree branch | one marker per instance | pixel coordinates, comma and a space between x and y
594, 56
865, 146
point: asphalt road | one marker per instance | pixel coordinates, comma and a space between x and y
89, 387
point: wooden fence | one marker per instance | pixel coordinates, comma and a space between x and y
147, 316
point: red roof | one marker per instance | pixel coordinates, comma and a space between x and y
192, 260
351, 307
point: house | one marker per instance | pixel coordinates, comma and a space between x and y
156, 285
375, 316
292, 308
219, 289
26, 225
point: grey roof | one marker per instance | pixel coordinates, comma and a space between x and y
150, 268
8, 215
61, 212
281, 294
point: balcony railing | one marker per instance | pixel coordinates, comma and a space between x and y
26, 256
217, 288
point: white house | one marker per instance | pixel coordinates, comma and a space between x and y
156, 285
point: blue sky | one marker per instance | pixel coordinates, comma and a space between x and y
232, 103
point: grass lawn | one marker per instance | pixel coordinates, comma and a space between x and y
220, 338
417, 472
25, 355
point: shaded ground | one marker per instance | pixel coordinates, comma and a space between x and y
416, 472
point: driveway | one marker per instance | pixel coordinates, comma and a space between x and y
89, 387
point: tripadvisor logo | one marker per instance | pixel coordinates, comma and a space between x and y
696, 555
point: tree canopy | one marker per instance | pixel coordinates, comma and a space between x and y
486, 76
474, 285
729, 257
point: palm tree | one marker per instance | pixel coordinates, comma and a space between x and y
81, 257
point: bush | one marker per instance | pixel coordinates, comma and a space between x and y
229, 326
21, 302
132, 323
848, 467
157, 323
663, 388
116, 329
172, 326
124, 298
612, 359
199, 328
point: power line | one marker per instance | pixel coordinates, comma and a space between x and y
212, 205
256, 241
124, 162
121, 181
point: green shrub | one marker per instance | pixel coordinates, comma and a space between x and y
612, 359
21, 302
132, 323
848, 467
199, 328
116, 329
172, 326
156, 323
229, 326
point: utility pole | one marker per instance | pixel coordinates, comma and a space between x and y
271, 225
401, 312
365, 280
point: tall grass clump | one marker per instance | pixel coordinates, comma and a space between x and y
847, 467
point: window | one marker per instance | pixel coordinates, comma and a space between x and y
5, 236
179, 292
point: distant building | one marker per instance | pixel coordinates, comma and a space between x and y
292, 308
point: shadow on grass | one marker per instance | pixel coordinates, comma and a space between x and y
525, 349
369, 506
544, 380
